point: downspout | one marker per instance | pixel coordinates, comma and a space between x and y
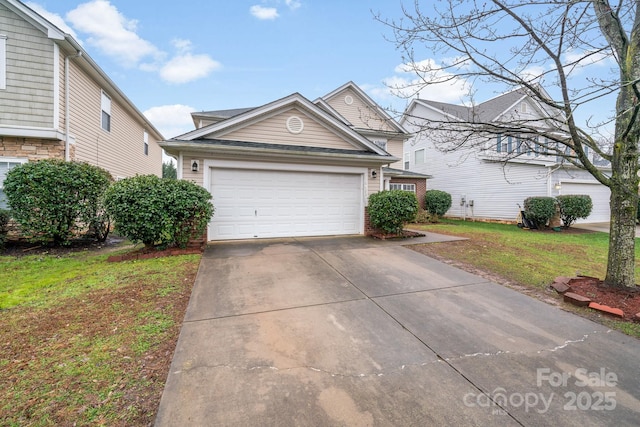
67, 118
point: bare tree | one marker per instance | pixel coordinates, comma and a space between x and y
520, 43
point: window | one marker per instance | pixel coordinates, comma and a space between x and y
146, 143
6, 164
419, 157
405, 187
407, 158
106, 112
499, 143
3, 62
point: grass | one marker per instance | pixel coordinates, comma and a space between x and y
87, 342
525, 257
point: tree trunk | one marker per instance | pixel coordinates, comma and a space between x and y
622, 242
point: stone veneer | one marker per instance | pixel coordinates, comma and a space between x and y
32, 148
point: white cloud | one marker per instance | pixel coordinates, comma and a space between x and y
112, 33
444, 86
293, 4
264, 13
187, 67
532, 74
171, 120
54, 18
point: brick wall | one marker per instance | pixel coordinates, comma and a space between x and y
30, 148
421, 187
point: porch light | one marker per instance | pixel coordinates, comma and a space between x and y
558, 186
374, 174
195, 165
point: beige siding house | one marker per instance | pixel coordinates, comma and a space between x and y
292, 167
56, 102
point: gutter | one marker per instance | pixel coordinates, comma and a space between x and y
67, 108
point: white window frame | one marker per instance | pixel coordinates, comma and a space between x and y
7, 160
404, 187
407, 161
3, 62
145, 137
105, 108
419, 157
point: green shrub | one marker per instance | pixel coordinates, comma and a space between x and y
53, 200
158, 212
574, 206
539, 210
5, 216
437, 203
423, 217
389, 210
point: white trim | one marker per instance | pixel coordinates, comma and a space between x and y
3, 62
31, 132
180, 168
56, 86
13, 159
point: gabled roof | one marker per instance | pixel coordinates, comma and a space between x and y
370, 102
69, 45
295, 100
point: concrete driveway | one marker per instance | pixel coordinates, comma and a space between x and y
351, 331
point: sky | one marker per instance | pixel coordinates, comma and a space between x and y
172, 58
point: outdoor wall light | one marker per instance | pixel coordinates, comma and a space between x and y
374, 174
195, 165
557, 186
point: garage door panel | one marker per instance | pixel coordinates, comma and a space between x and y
600, 197
256, 203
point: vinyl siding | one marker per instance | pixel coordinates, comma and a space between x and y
119, 151
273, 130
28, 98
359, 113
496, 188
395, 147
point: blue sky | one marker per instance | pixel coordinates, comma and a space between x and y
172, 58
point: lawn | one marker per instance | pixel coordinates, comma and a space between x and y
87, 342
528, 258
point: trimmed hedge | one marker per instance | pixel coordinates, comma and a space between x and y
5, 217
159, 212
574, 206
540, 210
437, 202
54, 200
390, 209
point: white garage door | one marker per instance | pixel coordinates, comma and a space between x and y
268, 203
599, 196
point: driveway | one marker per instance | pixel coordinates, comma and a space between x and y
351, 331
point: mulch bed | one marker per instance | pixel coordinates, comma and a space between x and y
394, 236
627, 300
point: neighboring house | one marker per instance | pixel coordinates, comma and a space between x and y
56, 102
489, 180
293, 167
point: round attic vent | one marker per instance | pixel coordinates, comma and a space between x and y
348, 100
295, 124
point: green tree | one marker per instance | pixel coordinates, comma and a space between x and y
169, 170
53, 200
518, 44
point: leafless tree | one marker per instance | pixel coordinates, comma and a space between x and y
521, 43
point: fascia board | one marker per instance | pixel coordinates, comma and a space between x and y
35, 19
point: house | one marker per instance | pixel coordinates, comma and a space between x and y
489, 178
56, 102
294, 167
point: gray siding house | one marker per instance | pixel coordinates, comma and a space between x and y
56, 102
489, 179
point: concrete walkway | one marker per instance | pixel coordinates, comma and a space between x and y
600, 226
351, 331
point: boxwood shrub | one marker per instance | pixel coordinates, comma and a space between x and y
53, 200
573, 207
540, 210
5, 217
390, 209
159, 212
437, 202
